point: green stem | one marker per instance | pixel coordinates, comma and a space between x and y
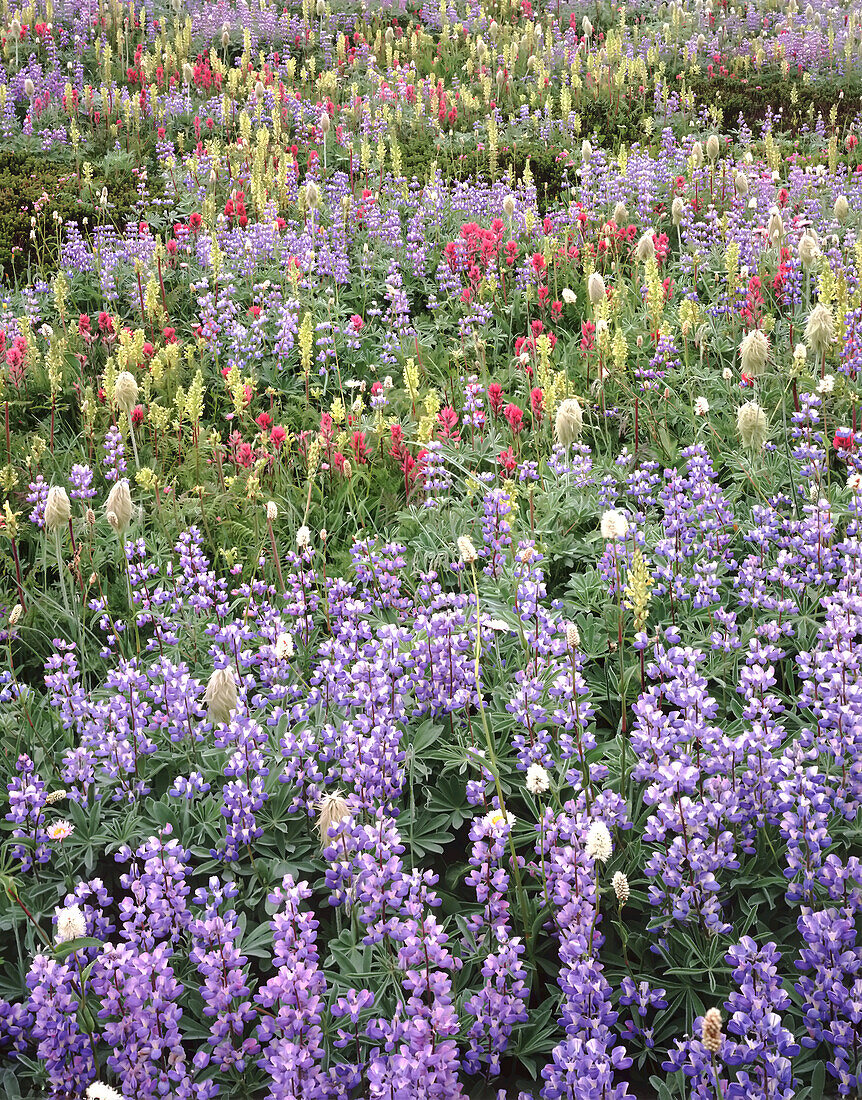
492, 759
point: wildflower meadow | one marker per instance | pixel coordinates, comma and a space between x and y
430, 549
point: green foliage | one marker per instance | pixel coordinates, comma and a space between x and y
33, 186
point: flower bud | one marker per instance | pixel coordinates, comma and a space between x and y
596, 289
569, 422
221, 695
312, 195
712, 147
15, 614
841, 209
271, 511
57, 508
754, 351
29, 88
751, 425
188, 73
697, 154
331, 809
740, 181
586, 150
807, 250
118, 506
621, 214
325, 122
573, 636
775, 226
125, 392
509, 205
710, 1030
820, 329
677, 209
645, 248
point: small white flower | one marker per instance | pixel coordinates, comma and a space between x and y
497, 624
614, 525
701, 406
71, 924
60, 830
598, 845
99, 1091
620, 886
727, 374
283, 646
466, 550
271, 511
495, 819
569, 296
826, 384
537, 781
303, 538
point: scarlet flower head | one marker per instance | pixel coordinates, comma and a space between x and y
536, 399
447, 420
277, 436
264, 421
539, 263
515, 417
495, 397
360, 448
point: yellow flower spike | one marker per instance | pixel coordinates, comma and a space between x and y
637, 589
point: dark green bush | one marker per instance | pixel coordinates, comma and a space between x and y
24, 178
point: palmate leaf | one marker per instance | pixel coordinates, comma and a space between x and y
430, 832
532, 1042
